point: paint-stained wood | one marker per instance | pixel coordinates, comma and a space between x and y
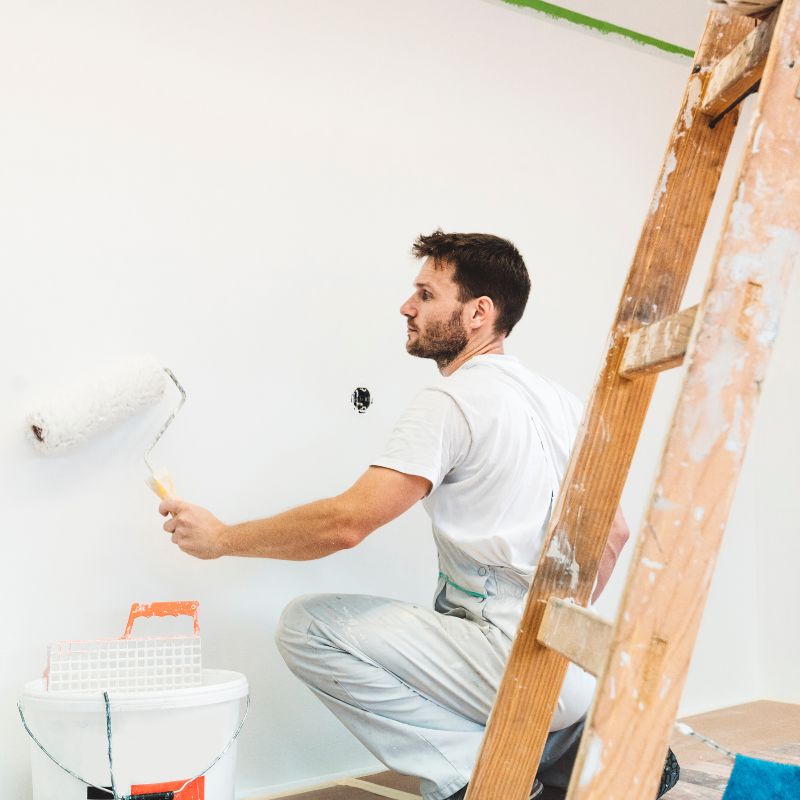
606, 441
637, 696
577, 633
659, 345
740, 70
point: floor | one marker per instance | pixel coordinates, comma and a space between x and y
764, 729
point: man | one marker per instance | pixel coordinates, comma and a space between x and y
485, 449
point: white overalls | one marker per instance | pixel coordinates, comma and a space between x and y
415, 685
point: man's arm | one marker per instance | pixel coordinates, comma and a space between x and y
617, 537
302, 533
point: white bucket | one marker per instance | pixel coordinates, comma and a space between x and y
158, 738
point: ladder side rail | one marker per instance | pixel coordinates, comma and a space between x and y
589, 496
629, 725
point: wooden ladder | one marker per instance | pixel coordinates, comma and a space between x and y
642, 658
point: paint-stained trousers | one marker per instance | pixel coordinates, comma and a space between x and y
415, 685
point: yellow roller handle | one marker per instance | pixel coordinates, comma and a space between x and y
162, 484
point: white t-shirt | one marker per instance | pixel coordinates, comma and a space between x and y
494, 440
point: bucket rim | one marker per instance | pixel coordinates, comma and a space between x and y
223, 686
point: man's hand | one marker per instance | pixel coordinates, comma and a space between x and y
194, 529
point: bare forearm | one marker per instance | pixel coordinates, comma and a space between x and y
617, 537
310, 531
607, 563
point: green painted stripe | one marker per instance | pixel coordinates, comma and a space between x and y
557, 12
461, 588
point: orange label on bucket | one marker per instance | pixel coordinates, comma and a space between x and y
193, 791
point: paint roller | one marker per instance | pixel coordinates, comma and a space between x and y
85, 408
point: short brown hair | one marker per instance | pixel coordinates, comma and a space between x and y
484, 265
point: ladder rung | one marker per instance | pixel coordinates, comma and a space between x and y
577, 633
738, 72
659, 345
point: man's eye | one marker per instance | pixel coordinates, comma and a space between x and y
425, 295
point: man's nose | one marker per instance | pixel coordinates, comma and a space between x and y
406, 309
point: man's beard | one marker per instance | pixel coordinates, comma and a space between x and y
442, 341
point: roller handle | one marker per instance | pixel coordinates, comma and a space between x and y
162, 484
175, 608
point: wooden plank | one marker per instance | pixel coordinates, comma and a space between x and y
577, 633
745, 728
394, 780
659, 345
604, 447
738, 72
349, 789
330, 790
377, 789
763, 729
637, 696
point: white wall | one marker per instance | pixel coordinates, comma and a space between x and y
776, 514
235, 187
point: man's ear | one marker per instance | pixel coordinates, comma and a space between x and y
484, 312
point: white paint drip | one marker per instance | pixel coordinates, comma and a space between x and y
698, 513
692, 101
652, 564
782, 251
761, 187
709, 419
734, 441
757, 138
604, 432
594, 760
563, 553
669, 168
624, 659
740, 218
661, 503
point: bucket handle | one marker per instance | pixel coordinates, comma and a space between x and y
116, 796
174, 608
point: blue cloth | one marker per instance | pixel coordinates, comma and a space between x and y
754, 779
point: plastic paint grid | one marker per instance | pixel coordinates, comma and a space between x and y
133, 665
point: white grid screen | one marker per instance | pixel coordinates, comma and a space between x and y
131, 665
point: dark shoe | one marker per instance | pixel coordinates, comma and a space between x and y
670, 775
536, 791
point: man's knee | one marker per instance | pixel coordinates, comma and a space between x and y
294, 620
292, 634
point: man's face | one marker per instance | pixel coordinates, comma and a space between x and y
435, 316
